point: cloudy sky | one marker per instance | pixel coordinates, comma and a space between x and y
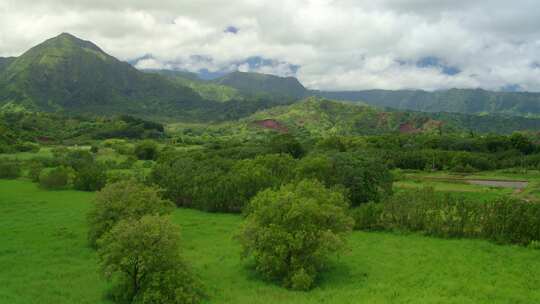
327, 44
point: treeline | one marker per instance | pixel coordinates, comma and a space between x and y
23, 131
215, 181
503, 220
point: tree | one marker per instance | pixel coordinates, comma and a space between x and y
286, 143
142, 259
121, 201
90, 178
57, 178
290, 232
9, 169
146, 150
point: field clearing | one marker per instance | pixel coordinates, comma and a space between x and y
458, 183
44, 259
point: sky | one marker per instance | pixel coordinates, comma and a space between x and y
326, 44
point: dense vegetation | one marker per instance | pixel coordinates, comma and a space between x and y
467, 101
302, 176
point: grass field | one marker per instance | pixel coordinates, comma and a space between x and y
436, 180
44, 259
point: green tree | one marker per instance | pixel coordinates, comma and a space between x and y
90, 178
286, 143
146, 150
123, 200
142, 259
290, 232
57, 178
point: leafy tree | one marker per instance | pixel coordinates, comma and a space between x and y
34, 170
142, 259
9, 169
286, 143
365, 179
146, 150
123, 200
90, 178
522, 143
55, 179
290, 232
79, 159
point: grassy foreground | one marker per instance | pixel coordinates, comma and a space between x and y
44, 259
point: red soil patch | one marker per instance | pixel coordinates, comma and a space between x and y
408, 128
271, 124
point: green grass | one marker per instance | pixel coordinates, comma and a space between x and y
44, 259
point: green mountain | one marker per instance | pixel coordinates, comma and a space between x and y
468, 101
255, 84
72, 75
5, 62
323, 117
206, 89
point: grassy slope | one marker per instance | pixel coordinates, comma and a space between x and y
44, 259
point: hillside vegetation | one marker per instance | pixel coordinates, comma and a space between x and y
467, 101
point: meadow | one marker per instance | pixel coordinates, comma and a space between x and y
44, 259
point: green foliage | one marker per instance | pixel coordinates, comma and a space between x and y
9, 169
49, 227
90, 178
471, 101
54, 179
503, 220
34, 170
290, 232
146, 150
141, 257
124, 200
286, 143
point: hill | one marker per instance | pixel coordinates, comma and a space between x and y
467, 101
206, 89
67, 74
255, 84
322, 117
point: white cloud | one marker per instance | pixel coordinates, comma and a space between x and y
339, 44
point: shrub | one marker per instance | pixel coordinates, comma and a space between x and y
365, 179
286, 143
291, 231
79, 159
146, 150
123, 200
142, 258
367, 216
54, 179
9, 169
34, 170
504, 220
90, 178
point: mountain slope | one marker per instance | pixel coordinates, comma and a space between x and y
206, 89
467, 101
5, 62
69, 74
322, 117
263, 85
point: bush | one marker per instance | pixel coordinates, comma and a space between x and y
90, 178
142, 259
123, 200
34, 170
79, 159
291, 231
365, 179
54, 179
504, 220
9, 169
146, 150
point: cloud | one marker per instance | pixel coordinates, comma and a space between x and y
327, 44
